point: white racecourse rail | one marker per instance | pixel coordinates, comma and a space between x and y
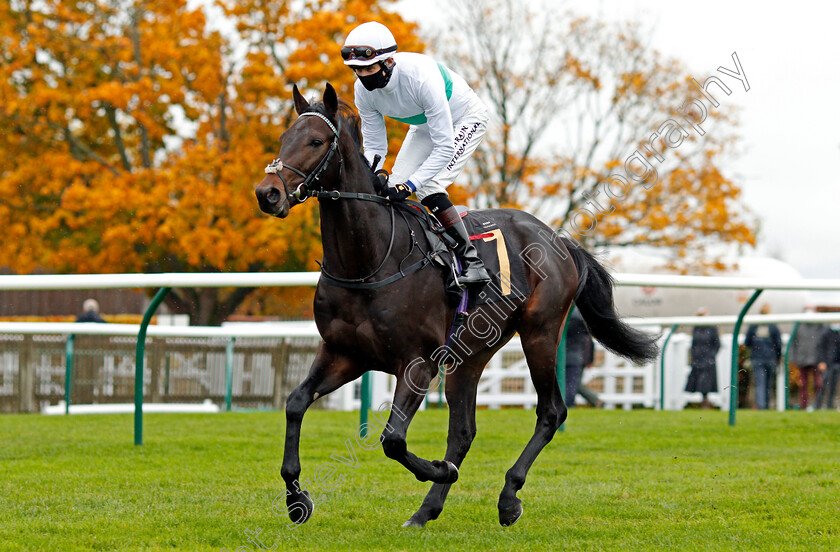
505, 382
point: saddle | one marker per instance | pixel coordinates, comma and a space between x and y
506, 271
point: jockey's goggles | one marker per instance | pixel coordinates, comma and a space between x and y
364, 53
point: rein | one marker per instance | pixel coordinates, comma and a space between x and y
359, 283
305, 191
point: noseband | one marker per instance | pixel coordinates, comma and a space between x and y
303, 190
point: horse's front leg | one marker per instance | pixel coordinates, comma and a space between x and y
329, 371
412, 384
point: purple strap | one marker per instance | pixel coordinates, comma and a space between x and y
462, 306
461, 311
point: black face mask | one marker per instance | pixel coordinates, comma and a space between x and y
378, 79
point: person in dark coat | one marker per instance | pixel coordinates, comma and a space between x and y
705, 343
91, 312
579, 354
804, 352
765, 345
829, 365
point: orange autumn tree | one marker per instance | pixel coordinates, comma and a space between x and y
304, 46
133, 134
572, 98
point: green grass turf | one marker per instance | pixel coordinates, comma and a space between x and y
635, 480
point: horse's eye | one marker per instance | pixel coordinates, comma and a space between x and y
317, 142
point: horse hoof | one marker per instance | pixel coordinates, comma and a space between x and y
510, 514
300, 507
413, 523
451, 475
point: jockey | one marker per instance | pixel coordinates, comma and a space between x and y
447, 123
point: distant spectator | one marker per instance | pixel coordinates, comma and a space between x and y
765, 345
589, 395
579, 354
705, 344
805, 354
744, 375
829, 365
91, 312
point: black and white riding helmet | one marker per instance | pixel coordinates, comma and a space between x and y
367, 44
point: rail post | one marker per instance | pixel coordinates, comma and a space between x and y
786, 365
69, 351
662, 367
365, 393
140, 353
441, 377
229, 372
733, 383
560, 363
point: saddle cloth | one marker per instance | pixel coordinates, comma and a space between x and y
506, 268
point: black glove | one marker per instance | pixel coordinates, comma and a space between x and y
381, 183
400, 192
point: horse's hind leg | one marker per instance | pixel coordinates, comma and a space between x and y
461, 387
540, 347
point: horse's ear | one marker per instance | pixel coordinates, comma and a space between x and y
331, 101
301, 104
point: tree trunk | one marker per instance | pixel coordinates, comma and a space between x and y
206, 306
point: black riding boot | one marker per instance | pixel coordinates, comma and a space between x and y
473, 272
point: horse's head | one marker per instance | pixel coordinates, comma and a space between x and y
307, 159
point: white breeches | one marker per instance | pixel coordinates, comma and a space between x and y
469, 132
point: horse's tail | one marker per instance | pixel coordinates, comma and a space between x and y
594, 299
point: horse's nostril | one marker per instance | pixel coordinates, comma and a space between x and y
273, 195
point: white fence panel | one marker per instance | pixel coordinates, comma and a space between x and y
505, 382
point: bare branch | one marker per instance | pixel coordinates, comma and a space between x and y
80, 150
111, 113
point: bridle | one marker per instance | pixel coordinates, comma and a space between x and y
302, 192
305, 190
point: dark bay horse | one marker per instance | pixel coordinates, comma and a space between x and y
376, 310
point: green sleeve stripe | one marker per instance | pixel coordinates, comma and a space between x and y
447, 80
413, 120
421, 118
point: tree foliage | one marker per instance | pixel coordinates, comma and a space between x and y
572, 99
133, 133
